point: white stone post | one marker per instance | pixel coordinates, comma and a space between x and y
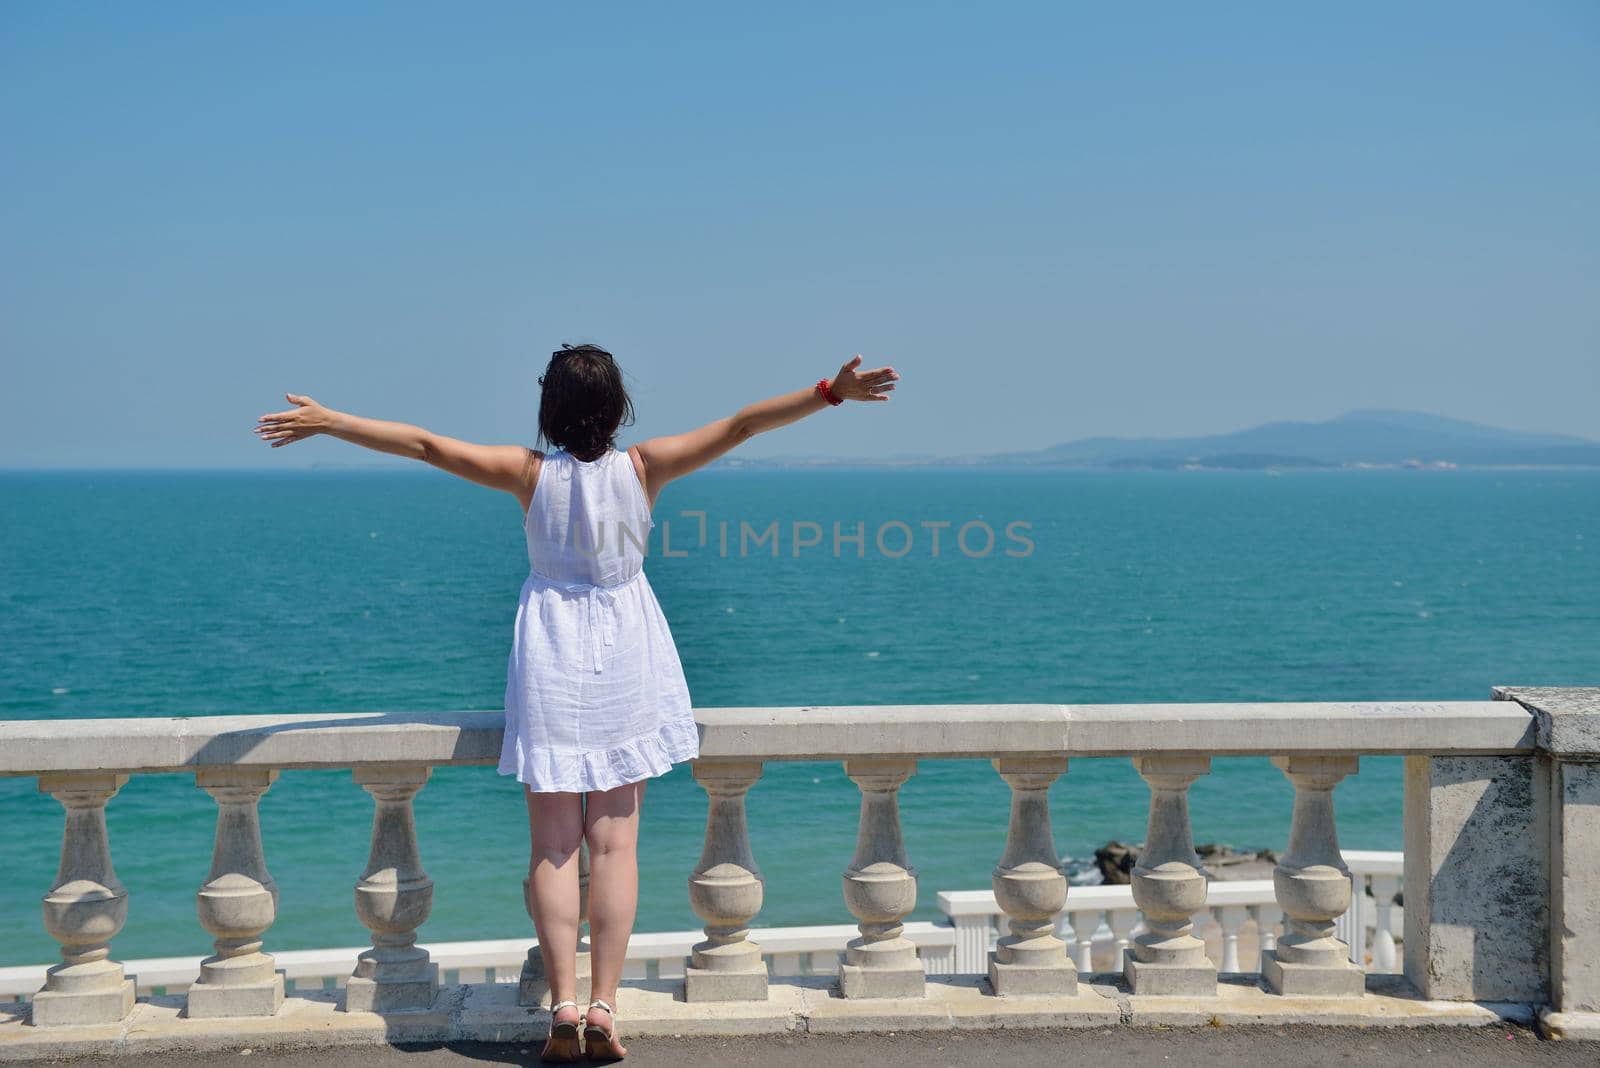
1567, 725
1574, 1010
972, 943
1268, 918
1122, 922
1477, 877
1084, 926
84, 909
1030, 886
880, 888
1352, 925
237, 903
1230, 918
726, 890
533, 987
393, 898
1169, 886
1384, 957
1312, 885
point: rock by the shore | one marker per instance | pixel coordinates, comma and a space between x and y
1115, 861
1228, 864
1225, 863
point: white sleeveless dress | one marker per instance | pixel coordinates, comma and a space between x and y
595, 693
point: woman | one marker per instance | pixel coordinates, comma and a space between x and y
596, 701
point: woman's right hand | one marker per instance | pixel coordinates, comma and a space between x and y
306, 419
874, 385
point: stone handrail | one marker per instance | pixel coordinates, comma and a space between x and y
1508, 788
347, 740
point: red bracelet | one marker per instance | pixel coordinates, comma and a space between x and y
828, 395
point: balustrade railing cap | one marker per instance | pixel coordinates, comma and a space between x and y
1567, 718
303, 740
842, 731
358, 739
1287, 728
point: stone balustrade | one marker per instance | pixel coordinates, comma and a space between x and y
1098, 921
1501, 793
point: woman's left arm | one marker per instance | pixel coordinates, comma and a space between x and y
512, 468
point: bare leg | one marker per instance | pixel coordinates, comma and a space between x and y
612, 828
555, 829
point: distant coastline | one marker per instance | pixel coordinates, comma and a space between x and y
1363, 440
842, 463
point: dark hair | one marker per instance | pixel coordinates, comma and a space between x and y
582, 401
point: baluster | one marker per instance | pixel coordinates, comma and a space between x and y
1312, 886
1084, 925
393, 898
1030, 886
1122, 922
726, 890
1267, 918
237, 903
84, 909
1230, 918
533, 986
880, 888
1169, 886
1350, 927
1384, 958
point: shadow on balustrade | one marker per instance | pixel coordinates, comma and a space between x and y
475, 731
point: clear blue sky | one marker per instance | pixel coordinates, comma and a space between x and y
1056, 220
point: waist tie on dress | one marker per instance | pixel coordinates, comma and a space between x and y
600, 610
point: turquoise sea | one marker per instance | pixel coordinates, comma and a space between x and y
189, 593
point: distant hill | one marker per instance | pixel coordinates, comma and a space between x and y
1369, 437
1373, 436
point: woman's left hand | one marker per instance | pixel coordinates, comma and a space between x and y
874, 385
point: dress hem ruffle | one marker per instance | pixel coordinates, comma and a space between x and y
643, 757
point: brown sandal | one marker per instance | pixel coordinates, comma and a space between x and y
602, 1041
562, 1046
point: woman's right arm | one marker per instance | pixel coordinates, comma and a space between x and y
663, 459
512, 468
